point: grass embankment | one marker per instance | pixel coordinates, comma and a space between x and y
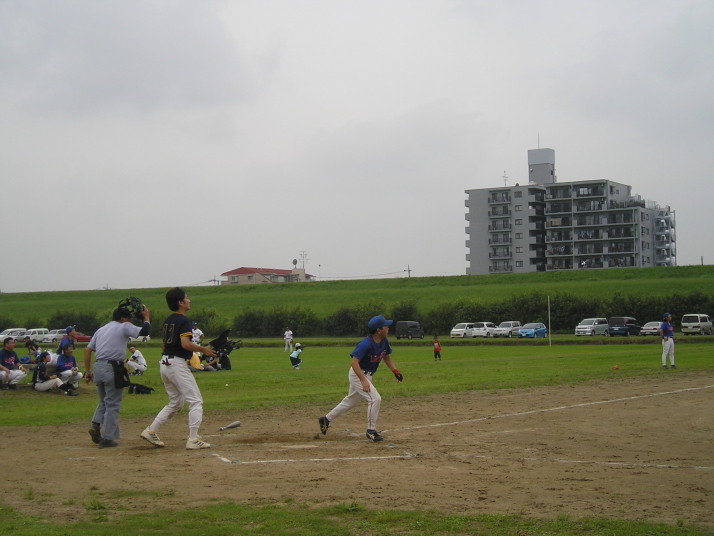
325, 298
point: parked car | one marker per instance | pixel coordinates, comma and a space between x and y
693, 323
462, 329
408, 329
483, 329
81, 337
55, 335
12, 332
592, 326
37, 334
533, 330
650, 328
146, 338
507, 329
623, 325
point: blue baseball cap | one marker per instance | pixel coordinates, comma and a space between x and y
377, 322
666, 315
69, 329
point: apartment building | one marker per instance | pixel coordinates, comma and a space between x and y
549, 225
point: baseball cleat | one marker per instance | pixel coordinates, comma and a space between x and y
197, 443
95, 433
373, 435
152, 437
324, 424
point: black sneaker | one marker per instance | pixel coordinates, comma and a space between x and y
107, 443
95, 433
674, 366
664, 366
12, 386
324, 424
373, 435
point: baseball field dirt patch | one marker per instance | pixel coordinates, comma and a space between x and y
630, 449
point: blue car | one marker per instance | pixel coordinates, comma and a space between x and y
533, 330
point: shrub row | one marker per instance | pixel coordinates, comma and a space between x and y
566, 310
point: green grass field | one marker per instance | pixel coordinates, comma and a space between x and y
263, 377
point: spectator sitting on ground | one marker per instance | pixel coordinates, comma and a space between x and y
67, 368
211, 364
136, 362
41, 381
11, 370
33, 351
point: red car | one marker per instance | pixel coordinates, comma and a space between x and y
81, 337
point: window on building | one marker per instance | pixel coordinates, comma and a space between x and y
234, 279
519, 236
519, 264
250, 278
519, 222
519, 249
518, 208
518, 194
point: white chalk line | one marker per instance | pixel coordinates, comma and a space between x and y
545, 410
312, 460
594, 462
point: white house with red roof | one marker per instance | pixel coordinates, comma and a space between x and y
253, 276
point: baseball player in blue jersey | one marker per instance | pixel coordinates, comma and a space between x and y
666, 330
366, 357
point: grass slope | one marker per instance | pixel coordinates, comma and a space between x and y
324, 298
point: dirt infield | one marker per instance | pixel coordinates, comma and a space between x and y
631, 449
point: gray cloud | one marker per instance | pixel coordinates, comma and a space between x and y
242, 133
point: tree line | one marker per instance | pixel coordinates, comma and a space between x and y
566, 310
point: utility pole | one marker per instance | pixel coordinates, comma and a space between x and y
303, 258
408, 271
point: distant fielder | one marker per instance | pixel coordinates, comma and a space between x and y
365, 359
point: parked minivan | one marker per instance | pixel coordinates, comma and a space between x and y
696, 323
623, 325
592, 326
408, 329
37, 334
12, 332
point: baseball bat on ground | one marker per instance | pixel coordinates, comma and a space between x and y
234, 424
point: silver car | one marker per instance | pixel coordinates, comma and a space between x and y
592, 326
507, 329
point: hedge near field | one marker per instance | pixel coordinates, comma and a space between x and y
566, 310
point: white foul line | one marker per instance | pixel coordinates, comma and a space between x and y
545, 410
593, 462
289, 460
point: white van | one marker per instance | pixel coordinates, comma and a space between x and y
15, 333
36, 334
696, 323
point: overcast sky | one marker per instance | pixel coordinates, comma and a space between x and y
159, 143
